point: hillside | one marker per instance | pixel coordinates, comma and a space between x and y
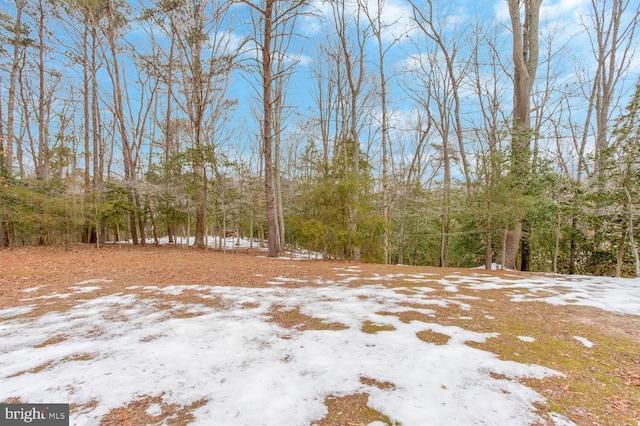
162, 335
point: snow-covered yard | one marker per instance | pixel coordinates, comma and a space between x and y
272, 355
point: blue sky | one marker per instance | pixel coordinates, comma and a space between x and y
563, 25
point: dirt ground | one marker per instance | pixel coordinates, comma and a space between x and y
600, 387
53, 270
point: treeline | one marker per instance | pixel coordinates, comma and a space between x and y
410, 134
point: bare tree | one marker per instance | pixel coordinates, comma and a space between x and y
378, 27
44, 95
81, 24
352, 50
525, 19
36, 99
432, 92
19, 43
273, 14
86, 72
421, 135
323, 98
610, 26
611, 30
489, 83
284, 63
627, 150
114, 67
197, 27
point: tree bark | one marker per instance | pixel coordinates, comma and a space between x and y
98, 145
488, 253
272, 18
608, 41
378, 27
43, 103
525, 247
511, 249
15, 67
525, 61
88, 190
129, 172
267, 129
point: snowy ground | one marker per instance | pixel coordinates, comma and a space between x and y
104, 352
233, 243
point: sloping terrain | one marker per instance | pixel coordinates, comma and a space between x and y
163, 335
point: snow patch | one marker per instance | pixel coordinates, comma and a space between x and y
15, 312
585, 342
32, 289
154, 410
95, 281
87, 289
235, 358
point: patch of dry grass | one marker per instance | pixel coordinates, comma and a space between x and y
137, 413
597, 386
434, 337
49, 364
51, 341
292, 318
371, 327
377, 383
351, 410
408, 316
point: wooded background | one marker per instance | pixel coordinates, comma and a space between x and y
417, 132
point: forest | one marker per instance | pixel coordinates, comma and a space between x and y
416, 132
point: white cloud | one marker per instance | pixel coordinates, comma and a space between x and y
396, 17
565, 10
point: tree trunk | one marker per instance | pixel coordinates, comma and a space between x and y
43, 104
620, 254
556, 250
116, 233
201, 218
197, 117
168, 130
426, 24
525, 247
488, 253
188, 239
378, 27
354, 57
632, 241
609, 37
525, 61
267, 130
3, 238
511, 244
572, 246
15, 67
384, 143
98, 147
88, 190
129, 166
277, 180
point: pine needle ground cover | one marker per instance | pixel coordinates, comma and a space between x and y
132, 336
